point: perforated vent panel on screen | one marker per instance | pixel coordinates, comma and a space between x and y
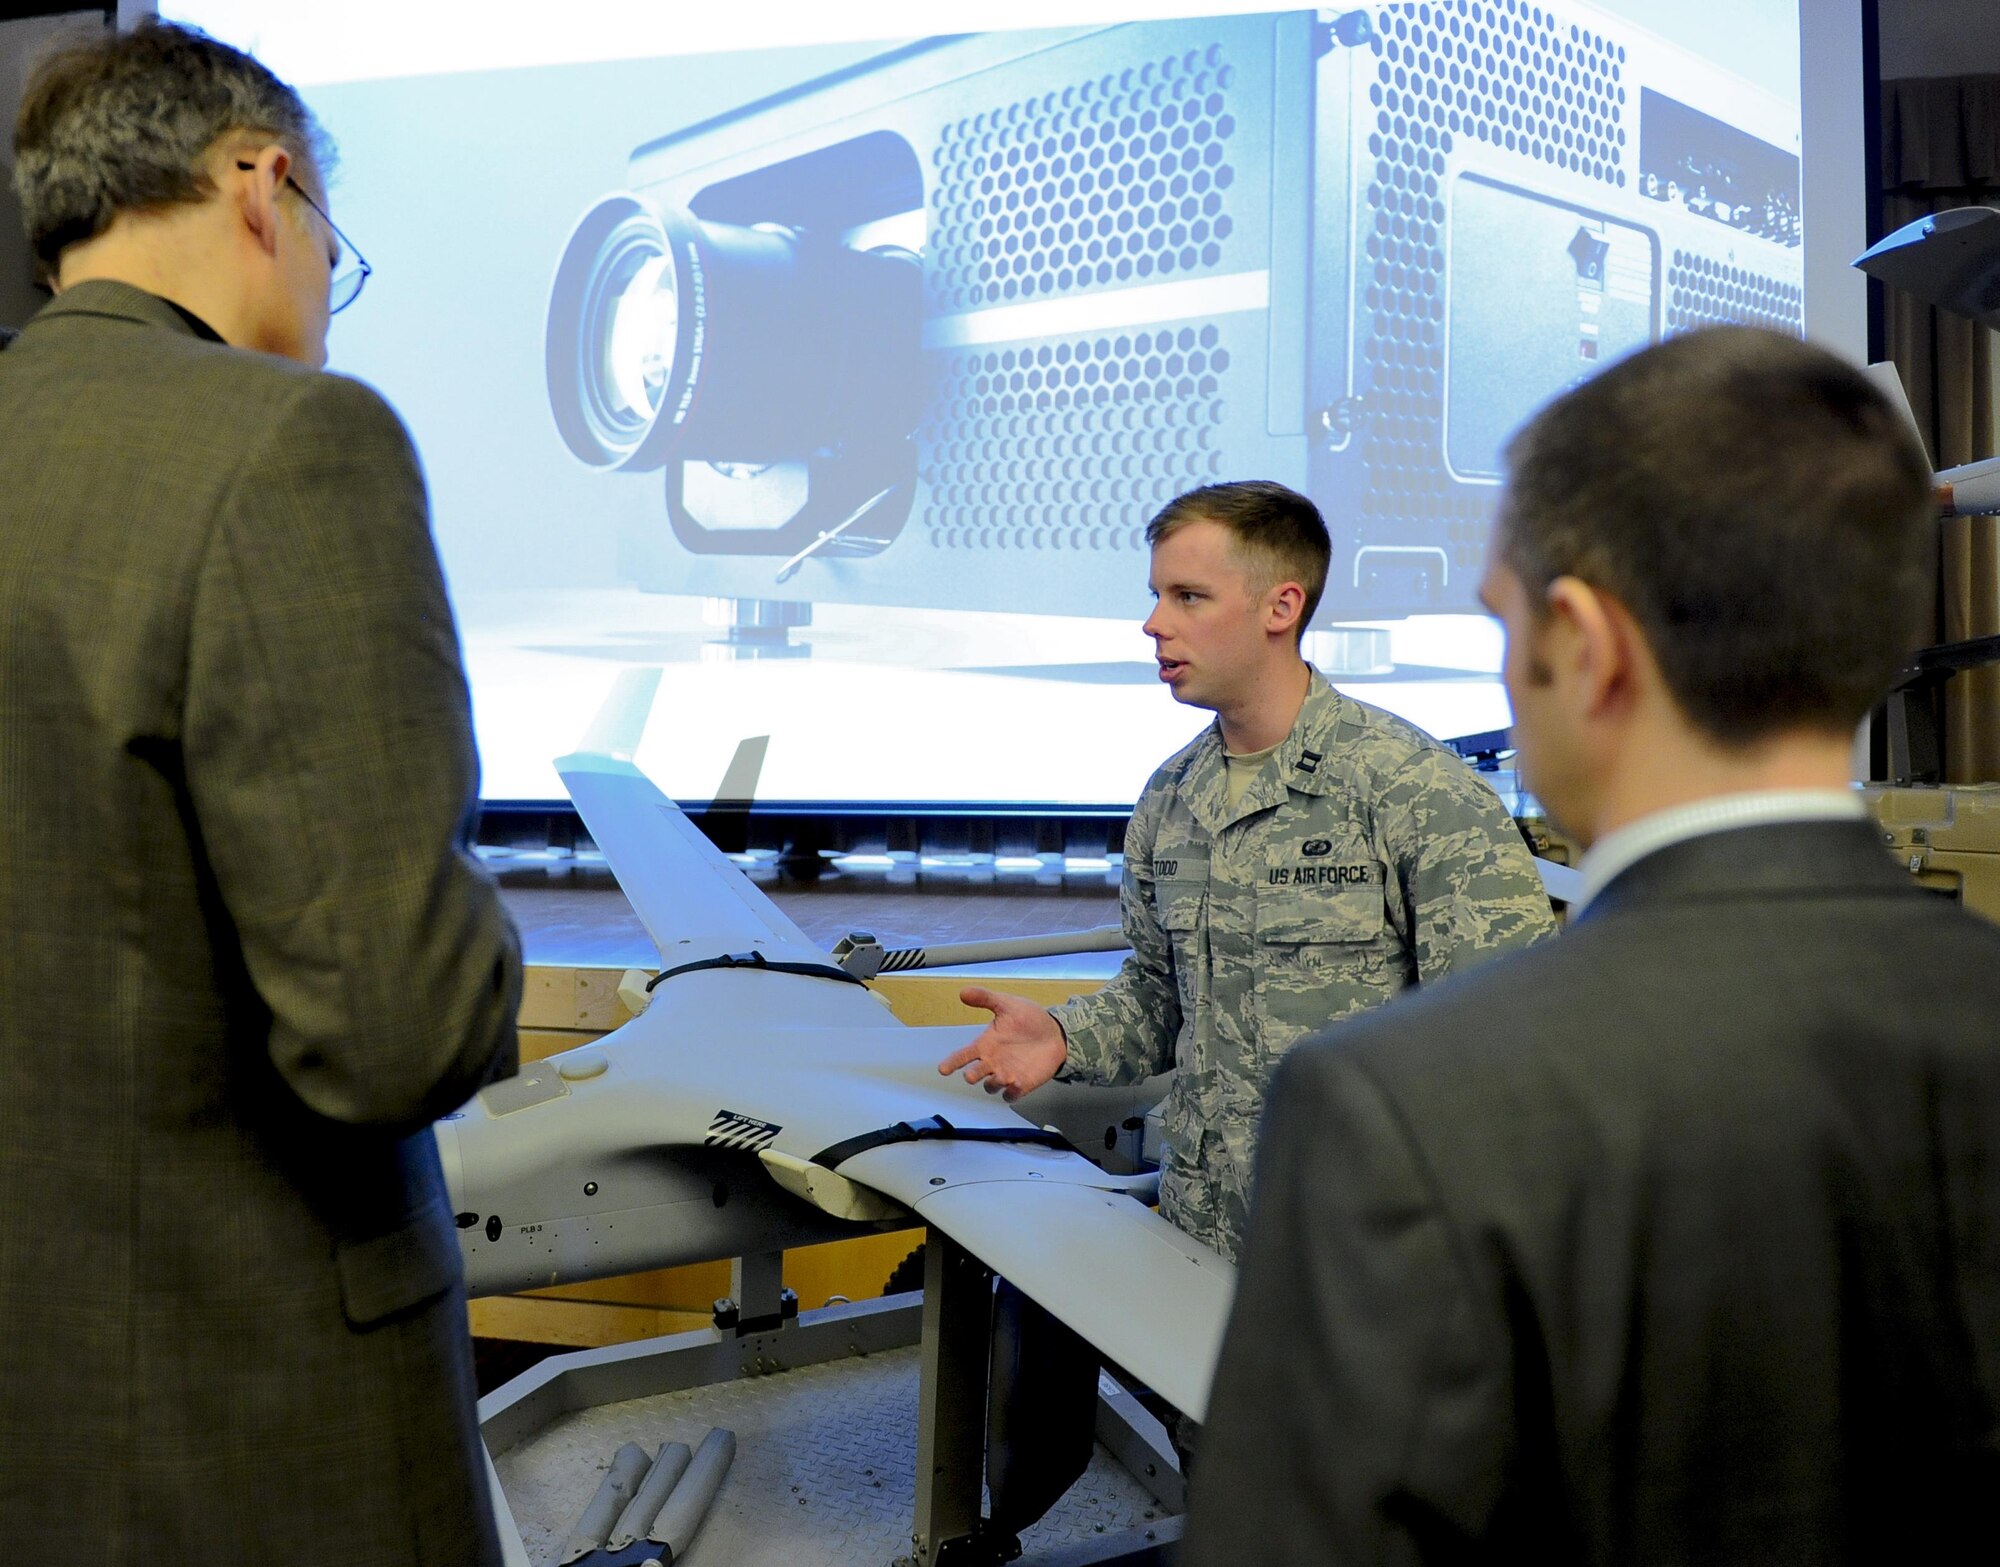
1109, 180
1702, 290
1504, 74
1074, 445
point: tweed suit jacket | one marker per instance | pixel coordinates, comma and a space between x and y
244, 962
1676, 1240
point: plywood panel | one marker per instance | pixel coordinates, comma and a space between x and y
579, 1324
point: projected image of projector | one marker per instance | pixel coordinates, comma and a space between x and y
945, 328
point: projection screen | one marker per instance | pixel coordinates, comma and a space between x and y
838, 376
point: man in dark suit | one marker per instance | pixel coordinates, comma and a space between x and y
1677, 1239
245, 956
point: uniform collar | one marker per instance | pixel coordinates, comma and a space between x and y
1301, 762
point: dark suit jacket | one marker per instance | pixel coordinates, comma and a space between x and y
244, 962
1676, 1240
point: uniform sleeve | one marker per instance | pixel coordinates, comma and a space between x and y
330, 760
1467, 888
1125, 1032
1360, 1410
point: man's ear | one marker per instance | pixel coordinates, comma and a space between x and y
1282, 607
1592, 643
258, 190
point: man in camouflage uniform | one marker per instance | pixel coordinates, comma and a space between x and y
1305, 858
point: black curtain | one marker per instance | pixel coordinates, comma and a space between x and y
1941, 149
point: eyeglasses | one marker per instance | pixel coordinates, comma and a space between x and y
350, 267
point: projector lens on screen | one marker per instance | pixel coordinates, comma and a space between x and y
639, 349
673, 338
610, 360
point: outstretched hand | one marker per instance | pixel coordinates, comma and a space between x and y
1021, 1049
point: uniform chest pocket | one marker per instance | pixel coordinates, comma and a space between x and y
1308, 919
1179, 905
1180, 882
1330, 898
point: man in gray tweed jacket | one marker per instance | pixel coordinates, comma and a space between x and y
246, 958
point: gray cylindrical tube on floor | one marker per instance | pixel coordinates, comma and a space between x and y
588, 1533
675, 1528
640, 1512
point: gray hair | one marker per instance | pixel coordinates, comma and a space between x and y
123, 122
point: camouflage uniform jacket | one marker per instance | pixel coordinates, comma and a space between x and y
1363, 858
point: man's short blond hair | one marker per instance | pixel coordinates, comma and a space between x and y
1279, 534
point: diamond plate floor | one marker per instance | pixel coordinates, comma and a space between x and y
825, 1471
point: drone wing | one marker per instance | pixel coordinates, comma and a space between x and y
1148, 1297
684, 890
748, 1066
699, 908
756, 1046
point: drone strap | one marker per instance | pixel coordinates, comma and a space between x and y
935, 1128
757, 960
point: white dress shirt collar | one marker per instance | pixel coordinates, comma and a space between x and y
1618, 851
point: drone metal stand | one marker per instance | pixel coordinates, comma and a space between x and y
952, 1433
951, 1418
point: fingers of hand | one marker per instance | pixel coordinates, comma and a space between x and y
958, 1058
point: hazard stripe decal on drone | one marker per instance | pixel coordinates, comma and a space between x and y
730, 1130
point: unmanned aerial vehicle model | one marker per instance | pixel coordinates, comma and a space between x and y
766, 1098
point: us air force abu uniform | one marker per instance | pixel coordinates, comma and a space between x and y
1363, 858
